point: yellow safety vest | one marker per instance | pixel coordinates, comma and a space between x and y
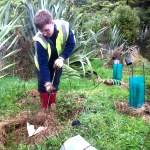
63, 28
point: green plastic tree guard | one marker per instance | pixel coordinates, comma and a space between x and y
136, 91
117, 71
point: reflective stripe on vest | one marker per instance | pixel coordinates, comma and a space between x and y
62, 37
63, 28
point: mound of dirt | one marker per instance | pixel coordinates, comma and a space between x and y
16, 127
13, 130
143, 111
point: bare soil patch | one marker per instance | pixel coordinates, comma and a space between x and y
143, 112
13, 130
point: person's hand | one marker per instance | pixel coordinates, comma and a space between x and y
58, 63
49, 87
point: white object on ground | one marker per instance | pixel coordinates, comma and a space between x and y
32, 131
116, 61
77, 143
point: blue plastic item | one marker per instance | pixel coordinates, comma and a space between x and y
136, 91
117, 71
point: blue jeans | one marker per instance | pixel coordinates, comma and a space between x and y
58, 73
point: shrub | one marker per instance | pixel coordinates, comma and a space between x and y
127, 20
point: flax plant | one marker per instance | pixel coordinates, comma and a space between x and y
7, 39
84, 51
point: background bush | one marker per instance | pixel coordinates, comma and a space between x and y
127, 20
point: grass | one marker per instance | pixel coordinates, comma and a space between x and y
12, 90
101, 125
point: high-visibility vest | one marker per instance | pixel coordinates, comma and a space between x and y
63, 28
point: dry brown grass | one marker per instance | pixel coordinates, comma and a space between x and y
143, 111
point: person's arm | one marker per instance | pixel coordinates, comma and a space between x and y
69, 46
42, 57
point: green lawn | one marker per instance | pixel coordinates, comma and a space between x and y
101, 125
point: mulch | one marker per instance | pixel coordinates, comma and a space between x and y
143, 112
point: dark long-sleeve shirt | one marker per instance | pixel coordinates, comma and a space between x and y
42, 54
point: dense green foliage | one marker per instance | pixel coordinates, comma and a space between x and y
87, 21
128, 21
133, 22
